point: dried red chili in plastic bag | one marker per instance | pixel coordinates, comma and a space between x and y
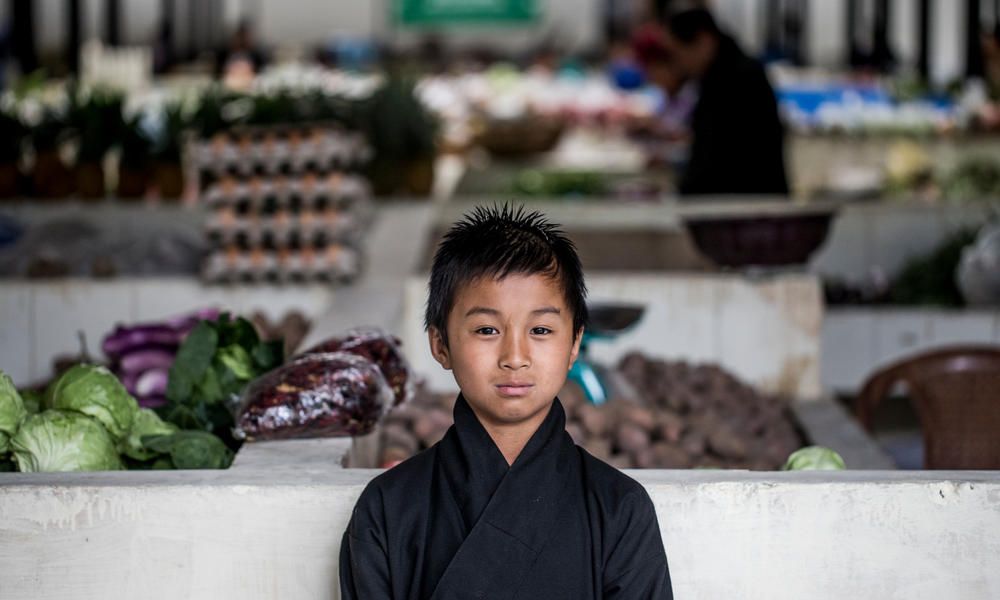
316, 395
379, 347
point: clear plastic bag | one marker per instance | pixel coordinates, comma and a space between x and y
316, 395
379, 347
979, 269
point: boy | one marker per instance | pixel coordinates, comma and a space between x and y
505, 505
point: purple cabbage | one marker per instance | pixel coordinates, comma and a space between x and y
141, 354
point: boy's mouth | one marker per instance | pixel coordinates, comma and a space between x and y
514, 389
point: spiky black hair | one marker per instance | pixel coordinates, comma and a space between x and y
496, 242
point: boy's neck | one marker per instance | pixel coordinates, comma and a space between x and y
511, 439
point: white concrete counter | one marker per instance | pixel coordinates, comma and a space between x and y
270, 527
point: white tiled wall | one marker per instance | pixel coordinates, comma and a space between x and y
858, 341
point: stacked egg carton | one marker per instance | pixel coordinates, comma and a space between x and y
286, 204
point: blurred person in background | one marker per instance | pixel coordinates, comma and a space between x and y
988, 116
737, 138
242, 58
666, 138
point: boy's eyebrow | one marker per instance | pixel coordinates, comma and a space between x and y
482, 310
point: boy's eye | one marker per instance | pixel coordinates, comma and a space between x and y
540, 331
487, 331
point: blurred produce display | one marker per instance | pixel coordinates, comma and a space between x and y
976, 178
931, 279
868, 108
488, 107
57, 137
681, 416
91, 246
979, 269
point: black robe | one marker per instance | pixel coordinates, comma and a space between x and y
738, 139
456, 522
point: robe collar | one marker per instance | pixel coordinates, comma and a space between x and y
474, 466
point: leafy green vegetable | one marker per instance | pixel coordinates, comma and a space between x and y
147, 423
193, 358
975, 178
214, 364
95, 391
62, 440
33, 401
930, 279
12, 411
238, 361
814, 458
191, 449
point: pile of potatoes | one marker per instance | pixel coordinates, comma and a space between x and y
662, 415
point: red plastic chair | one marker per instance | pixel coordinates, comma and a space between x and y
956, 394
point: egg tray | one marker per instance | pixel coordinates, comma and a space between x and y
335, 263
337, 191
247, 155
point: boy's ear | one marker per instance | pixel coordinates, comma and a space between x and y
576, 347
439, 349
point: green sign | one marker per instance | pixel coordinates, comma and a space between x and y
459, 12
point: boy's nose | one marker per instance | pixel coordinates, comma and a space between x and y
514, 352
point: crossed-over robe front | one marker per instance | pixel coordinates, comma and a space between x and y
457, 522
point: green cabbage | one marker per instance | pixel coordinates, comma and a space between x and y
146, 423
58, 440
12, 411
814, 458
96, 392
33, 401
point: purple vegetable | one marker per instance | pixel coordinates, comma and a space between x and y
186, 323
142, 335
152, 383
142, 354
141, 361
126, 339
129, 380
152, 401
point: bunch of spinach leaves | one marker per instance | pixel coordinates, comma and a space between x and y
213, 365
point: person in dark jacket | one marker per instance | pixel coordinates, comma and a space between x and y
738, 139
505, 505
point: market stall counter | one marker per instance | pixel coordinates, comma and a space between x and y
271, 527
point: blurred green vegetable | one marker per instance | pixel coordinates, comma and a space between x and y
59, 440
12, 411
930, 279
33, 401
191, 449
975, 178
535, 182
213, 365
147, 423
814, 458
95, 391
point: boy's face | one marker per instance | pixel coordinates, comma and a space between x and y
511, 344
